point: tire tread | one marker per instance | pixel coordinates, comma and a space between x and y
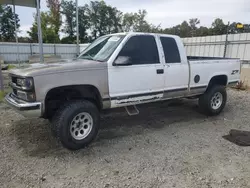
204, 100
61, 116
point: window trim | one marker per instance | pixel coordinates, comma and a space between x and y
126, 39
165, 60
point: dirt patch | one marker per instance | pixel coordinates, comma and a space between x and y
164, 146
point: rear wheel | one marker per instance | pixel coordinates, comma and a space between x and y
76, 124
213, 101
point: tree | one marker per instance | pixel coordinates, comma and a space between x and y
55, 16
137, 22
69, 11
176, 30
103, 19
24, 39
246, 28
203, 31
218, 27
114, 20
7, 23
48, 32
185, 29
98, 18
141, 25
193, 22
33, 33
128, 22
83, 24
155, 29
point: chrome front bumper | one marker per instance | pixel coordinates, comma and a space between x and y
27, 109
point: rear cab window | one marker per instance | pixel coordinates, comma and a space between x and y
171, 51
141, 49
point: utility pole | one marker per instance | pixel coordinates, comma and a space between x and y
226, 42
17, 46
77, 30
40, 38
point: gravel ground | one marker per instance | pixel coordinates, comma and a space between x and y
167, 145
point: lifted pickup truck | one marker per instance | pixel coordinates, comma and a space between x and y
118, 70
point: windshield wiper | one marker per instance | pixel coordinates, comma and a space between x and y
87, 56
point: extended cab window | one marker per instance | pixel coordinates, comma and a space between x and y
141, 50
170, 49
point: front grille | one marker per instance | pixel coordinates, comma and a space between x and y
14, 79
15, 91
14, 82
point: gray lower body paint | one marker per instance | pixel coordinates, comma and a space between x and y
121, 101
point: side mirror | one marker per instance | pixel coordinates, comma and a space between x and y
122, 61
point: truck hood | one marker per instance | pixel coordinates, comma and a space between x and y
54, 67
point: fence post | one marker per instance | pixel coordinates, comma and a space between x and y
1, 79
54, 49
31, 52
226, 42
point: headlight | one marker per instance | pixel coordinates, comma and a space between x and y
25, 83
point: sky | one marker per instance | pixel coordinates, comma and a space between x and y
166, 13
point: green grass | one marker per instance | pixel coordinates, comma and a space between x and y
11, 67
3, 93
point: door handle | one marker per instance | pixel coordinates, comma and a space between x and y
160, 71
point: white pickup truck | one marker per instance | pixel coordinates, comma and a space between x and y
118, 70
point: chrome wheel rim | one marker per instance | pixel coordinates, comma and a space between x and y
216, 101
81, 125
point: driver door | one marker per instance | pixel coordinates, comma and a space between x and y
141, 81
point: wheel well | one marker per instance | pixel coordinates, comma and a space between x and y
218, 80
56, 97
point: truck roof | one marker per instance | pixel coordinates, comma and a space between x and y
144, 33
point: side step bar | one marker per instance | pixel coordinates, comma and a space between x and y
132, 110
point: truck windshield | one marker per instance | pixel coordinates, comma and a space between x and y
102, 48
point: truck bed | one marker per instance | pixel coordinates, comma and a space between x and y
207, 67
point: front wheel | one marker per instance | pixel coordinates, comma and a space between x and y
213, 101
77, 124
